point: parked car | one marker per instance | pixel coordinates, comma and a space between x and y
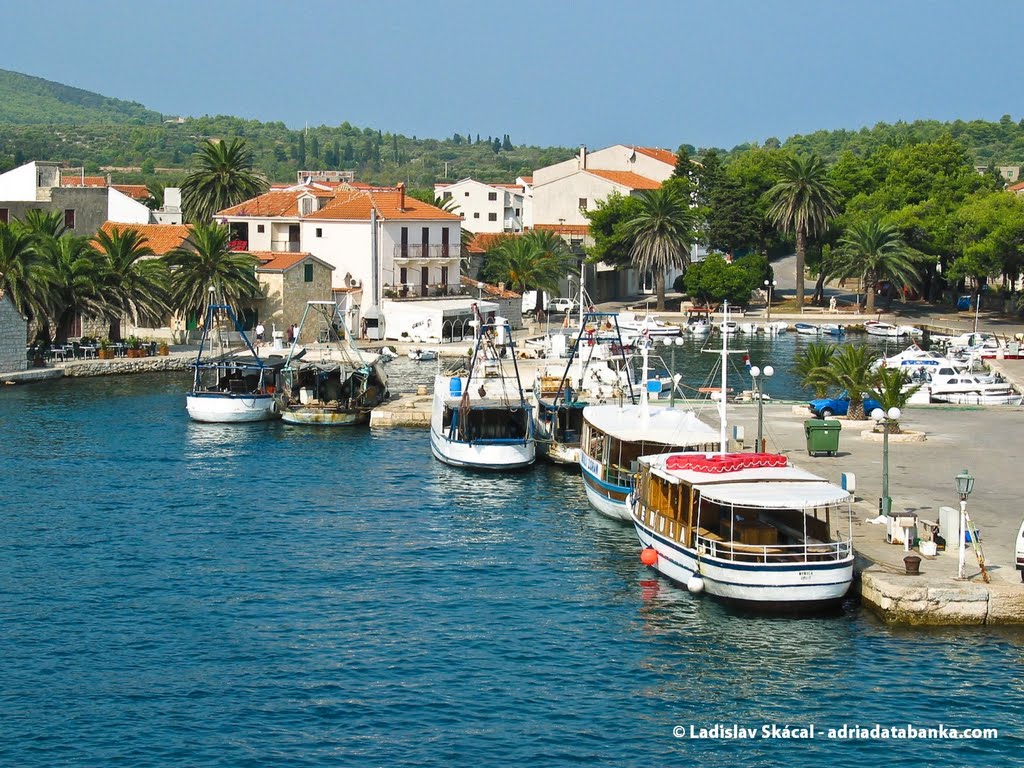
826, 407
562, 305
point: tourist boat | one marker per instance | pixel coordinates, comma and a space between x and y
231, 385
972, 389
745, 527
616, 435
482, 420
596, 372
422, 355
876, 328
329, 383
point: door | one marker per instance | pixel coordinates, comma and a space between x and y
444, 243
424, 274
425, 242
293, 238
404, 252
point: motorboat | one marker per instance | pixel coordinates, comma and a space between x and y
228, 385
591, 375
698, 321
331, 382
807, 329
616, 435
630, 325
833, 329
482, 420
750, 528
917, 362
876, 328
972, 389
775, 327
422, 355
749, 328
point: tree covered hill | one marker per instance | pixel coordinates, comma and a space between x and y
28, 100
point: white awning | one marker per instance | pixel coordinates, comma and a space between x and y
779, 495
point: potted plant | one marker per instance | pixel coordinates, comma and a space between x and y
105, 352
134, 344
162, 349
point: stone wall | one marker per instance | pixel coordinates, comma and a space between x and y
121, 366
13, 337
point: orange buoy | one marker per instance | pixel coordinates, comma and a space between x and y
649, 556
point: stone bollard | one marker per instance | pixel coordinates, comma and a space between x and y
913, 565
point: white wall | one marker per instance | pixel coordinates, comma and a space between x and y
19, 184
557, 202
622, 158
125, 210
476, 209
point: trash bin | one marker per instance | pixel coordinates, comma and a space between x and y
822, 436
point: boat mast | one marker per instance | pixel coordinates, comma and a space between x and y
644, 400
725, 363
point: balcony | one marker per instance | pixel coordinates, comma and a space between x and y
438, 251
285, 246
411, 291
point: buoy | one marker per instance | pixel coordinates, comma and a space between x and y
695, 584
649, 556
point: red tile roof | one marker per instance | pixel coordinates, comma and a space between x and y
565, 229
351, 202
134, 191
267, 204
527, 179
485, 241
626, 179
658, 154
278, 261
162, 238
1016, 187
72, 180
490, 290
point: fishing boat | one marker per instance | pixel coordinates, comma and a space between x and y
329, 382
228, 385
745, 527
596, 372
482, 420
615, 436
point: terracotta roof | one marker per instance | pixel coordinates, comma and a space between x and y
490, 290
280, 261
565, 229
527, 179
162, 238
268, 204
134, 191
626, 179
1016, 187
356, 204
485, 241
658, 154
72, 180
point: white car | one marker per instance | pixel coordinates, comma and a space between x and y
562, 305
1020, 551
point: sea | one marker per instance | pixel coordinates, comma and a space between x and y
176, 593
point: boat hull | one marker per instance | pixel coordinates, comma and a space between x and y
608, 499
484, 456
218, 408
559, 453
790, 587
324, 417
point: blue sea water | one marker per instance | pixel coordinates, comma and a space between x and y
173, 593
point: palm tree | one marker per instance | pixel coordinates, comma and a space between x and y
891, 391
661, 233
851, 369
811, 366
204, 261
45, 224
802, 201
24, 274
224, 178
536, 260
78, 285
874, 251
154, 195
134, 281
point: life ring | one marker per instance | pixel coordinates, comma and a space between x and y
719, 463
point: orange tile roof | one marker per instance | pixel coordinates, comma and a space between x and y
484, 241
268, 204
658, 154
565, 229
490, 290
162, 238
356, 205
527, 179
626, 179
134, 191
278, 261
72, 180
1016, 187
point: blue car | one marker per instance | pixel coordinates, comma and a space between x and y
826, 407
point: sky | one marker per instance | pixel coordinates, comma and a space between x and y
546, 72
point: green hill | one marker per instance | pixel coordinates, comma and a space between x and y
28, 100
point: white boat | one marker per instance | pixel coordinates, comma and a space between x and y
231, 386
482, 420
916, 361
729, 327
330, 383
745, 527
776, 327
972, 389
833, 329
632, 327
876, 328
807, 329
698, 328
749, 328
592, 374
616, 435
910, 330
422, 355
698, 322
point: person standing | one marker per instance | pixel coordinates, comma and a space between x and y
260, 330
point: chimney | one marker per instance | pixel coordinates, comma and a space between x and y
583, 157
401, 195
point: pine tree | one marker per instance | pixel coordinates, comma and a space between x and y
496, 145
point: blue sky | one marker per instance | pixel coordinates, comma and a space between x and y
549, 73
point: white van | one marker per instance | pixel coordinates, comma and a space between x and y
1020, 551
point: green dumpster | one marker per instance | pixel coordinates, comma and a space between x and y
822, 436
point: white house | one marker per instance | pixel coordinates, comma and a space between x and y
485, 207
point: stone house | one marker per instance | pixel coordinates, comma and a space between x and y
13, 336
288, 281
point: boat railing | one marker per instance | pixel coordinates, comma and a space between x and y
808, 552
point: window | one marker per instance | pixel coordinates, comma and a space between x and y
259, 228
583, 203
517, 211
69, 218
319, 232
307, 206
5, 215
476, 215
492, 217
446, 196
307, 272
467, 194
492, 196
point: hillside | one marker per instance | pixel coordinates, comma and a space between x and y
27, 100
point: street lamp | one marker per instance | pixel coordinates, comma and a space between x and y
757, 375
769, 285
885, 420
964, 486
